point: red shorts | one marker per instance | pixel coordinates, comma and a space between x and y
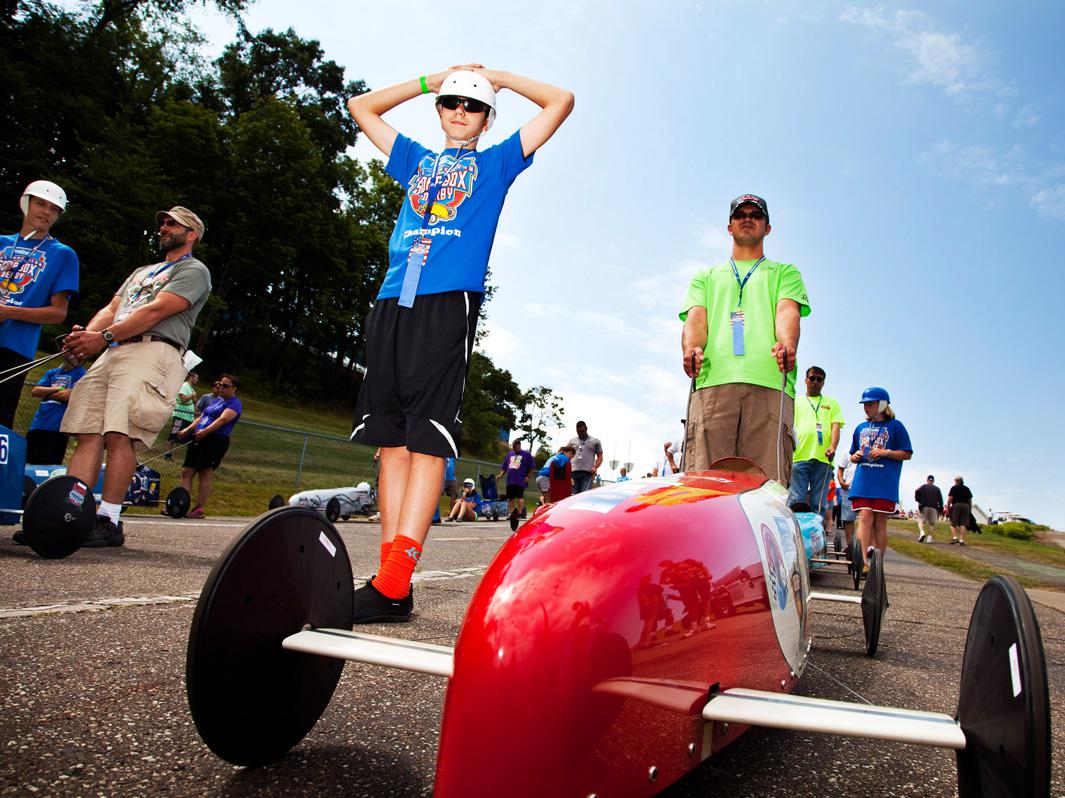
876, 505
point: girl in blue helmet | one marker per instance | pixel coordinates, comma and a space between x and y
878, 447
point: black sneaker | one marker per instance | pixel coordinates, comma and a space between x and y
514, 519
20, 538
105, 533
371, 606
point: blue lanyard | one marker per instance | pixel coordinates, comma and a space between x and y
743, 282
28, 255
166, 265
434, 186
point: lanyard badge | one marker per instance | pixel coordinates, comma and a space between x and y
736, 317
419, 251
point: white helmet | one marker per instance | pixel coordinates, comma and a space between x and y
474, 85
46, 190
468, 482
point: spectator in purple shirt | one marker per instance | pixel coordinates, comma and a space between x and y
210, 433
516, 465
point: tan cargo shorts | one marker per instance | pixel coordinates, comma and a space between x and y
129, 389
740, 420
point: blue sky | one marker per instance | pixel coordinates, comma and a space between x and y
914, 166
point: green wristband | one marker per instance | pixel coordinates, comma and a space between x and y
425, 86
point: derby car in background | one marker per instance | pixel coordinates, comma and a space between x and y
337, 503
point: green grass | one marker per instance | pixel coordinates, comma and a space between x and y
1031, 550
902, 535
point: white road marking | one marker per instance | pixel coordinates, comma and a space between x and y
99, 605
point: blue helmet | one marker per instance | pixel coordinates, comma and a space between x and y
875, 394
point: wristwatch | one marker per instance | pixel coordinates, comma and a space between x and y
108, 338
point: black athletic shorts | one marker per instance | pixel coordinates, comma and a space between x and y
416, 364
10, 391
515, 492
207, 452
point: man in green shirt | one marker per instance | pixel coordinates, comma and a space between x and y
818, 420
741, 326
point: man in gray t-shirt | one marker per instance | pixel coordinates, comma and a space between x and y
588, 458
128, 395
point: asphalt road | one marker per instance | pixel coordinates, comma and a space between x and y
92, 695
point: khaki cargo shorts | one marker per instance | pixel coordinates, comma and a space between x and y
129, 389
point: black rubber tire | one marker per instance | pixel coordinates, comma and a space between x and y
857, 562
874, 602
178, 502
277, 500
252, 700
59, 515
332, 510
1004, 703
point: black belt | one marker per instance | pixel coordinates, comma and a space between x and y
136, 339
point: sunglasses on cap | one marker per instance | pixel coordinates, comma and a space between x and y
471, 106
756, 215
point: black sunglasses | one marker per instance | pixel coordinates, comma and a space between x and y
815, 378
451, 102
756, 215
223, 385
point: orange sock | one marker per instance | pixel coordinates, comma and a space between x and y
393, 580
386, 549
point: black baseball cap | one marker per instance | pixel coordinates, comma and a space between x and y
748, 199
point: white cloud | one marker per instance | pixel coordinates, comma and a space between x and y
1050, 202
499, 343
666, 290
506, 241
936, 57
718, 241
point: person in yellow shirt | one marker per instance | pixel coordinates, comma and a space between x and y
818, 420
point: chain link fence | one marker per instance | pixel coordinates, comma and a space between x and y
266, 460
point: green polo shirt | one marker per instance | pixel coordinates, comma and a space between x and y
716, 289
809, 412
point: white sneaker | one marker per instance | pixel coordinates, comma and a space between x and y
921, 538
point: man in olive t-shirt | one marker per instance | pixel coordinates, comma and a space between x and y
741, 326
128, 394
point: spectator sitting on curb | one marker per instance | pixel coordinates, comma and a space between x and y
465, 508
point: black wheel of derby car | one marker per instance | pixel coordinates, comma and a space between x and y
277, 500
332, 510
1004, 704
59, 515
178, 502
874, 601
857, 562
251, 699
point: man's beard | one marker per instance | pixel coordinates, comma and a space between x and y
173, 241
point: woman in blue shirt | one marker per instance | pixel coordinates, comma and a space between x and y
878, 447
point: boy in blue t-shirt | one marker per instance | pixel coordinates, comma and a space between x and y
45, 444
420, 332
878, 447
37, 277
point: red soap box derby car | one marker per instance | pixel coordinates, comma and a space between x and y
569, 644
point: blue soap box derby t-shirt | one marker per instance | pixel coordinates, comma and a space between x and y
464, 215
878, 479
31, 273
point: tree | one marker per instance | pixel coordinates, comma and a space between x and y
541, 412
